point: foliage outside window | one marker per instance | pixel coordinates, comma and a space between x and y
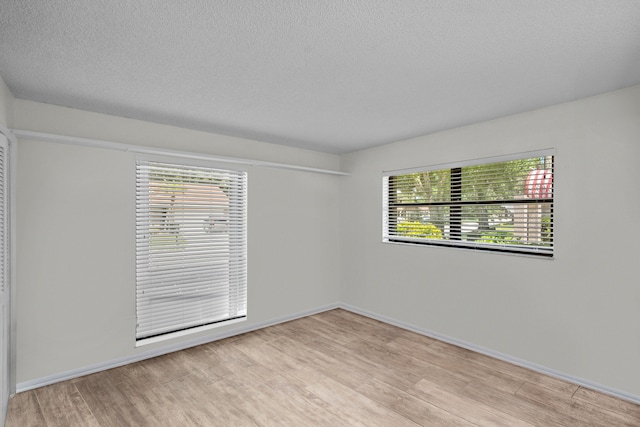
496, 204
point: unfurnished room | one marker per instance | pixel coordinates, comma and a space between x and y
319, 213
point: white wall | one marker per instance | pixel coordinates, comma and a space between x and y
316, 239
76, 236
36, 116
578, 313
6, 105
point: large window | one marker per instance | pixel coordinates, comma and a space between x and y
190, 247
501, 204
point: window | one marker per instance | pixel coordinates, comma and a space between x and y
191, 247
501, 204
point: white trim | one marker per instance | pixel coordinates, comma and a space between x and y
12, 161
13, 174
172, 335
63, 376
472, 162
7, 132
110, 145
408, 241
6, 388
497, 355
114, 363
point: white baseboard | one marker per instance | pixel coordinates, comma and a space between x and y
51, 379
86, 370
497, 355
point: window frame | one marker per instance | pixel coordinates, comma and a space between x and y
237, 252
455, 224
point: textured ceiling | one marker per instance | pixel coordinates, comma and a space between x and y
329, 75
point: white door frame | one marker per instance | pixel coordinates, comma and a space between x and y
7, 296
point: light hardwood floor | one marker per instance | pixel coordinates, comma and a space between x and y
331, 369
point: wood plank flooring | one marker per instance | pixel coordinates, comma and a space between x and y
335, 368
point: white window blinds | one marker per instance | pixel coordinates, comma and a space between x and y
492, 205
191, 245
